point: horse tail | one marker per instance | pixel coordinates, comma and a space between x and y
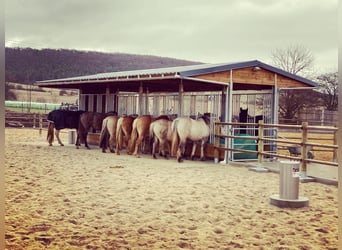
134, 136
104, 135
118, 138
50, 134
175, 138
151, 136
151, 132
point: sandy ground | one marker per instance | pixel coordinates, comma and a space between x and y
68, 198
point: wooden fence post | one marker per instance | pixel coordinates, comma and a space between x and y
260, 141
40, 124
34, 120
304, 150
335, 143
217, 144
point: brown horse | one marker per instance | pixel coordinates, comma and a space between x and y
89, 120
108, 133
123, 132
185, 128
160, 132
140, 130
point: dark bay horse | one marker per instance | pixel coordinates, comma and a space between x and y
108, 133
185, 128
61, 119
90, 120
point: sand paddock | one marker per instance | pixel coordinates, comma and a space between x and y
68, 198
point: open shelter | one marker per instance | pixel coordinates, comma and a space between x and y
222, 90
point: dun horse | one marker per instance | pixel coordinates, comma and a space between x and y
123, 132
108, 133
140, 130
61, 119
160, 132
184, 129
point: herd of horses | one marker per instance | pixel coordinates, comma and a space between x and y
165, 135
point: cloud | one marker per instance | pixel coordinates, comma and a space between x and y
216, 31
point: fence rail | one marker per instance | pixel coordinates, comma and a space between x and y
28, 120
275, 143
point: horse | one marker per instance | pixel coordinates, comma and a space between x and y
108, 133
185, 128
160, 132
123, 132
245, 118
61, 119
140, 129
90, 120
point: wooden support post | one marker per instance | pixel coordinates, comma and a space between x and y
304, 151
260, 141
217, 143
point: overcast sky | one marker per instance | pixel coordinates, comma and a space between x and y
199, 30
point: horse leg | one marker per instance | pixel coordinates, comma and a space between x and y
137, 144
85, 140
78, 139
111, 144
179, 151
155, 141
162, 147
193, 151
202, 150
57, 136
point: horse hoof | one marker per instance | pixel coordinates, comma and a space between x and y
62, 145
154, 157
192, 158
180, 160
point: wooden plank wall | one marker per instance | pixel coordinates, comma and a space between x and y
252, 77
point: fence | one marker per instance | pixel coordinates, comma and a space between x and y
269, 145
28, 120
315, 117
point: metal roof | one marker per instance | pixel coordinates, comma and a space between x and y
173, 72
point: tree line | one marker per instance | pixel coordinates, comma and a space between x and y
27, 65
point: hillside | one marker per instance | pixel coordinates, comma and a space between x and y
27, 65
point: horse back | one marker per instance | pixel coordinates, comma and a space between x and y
65, 118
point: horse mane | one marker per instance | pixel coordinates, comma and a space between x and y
205, 117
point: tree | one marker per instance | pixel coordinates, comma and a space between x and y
329, 88
9, 93
296, 60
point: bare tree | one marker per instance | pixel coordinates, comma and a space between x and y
295, 59
329, 88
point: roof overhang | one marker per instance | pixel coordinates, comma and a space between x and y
166, 79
